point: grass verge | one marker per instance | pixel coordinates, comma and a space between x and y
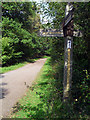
43, 101
12, 67
18, 65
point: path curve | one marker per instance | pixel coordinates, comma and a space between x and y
14, 84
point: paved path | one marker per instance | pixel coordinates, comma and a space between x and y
14, 84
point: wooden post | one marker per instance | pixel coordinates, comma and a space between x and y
68, 47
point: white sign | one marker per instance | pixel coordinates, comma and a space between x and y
51, 33
69, 44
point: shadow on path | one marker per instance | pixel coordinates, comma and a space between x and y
3, 91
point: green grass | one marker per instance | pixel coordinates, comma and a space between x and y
43, 101
12, 67
18, 65
39, 100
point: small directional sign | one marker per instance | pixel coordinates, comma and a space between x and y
51, 32
67, 19
69, 44
66, 31
77, 33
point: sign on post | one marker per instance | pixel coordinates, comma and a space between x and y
68, 33
51, 33
69, 44
57, 33
68, 18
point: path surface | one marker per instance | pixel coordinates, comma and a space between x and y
14, 84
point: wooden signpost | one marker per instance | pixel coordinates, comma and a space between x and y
68, 33
68, 47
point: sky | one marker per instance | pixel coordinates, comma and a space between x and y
45, 19
45, 0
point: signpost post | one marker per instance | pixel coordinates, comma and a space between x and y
68, 33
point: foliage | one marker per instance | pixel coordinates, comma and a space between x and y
81, 52
57, 49
9, 55
19, 38
57, 10
20, 12
17, 65
44, 99
82, 23
81, 56
20, 41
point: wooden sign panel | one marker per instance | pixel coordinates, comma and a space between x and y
67, 19
51, 33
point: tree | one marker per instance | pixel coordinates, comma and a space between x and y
19, 24
81, 57
82, 22
20, 12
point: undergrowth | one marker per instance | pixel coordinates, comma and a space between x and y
43, 101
